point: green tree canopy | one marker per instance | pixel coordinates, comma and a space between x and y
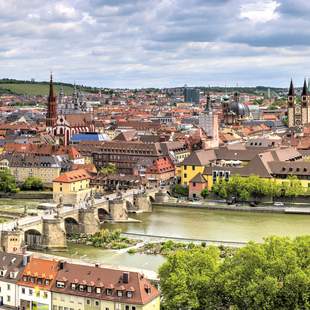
110, 168
7, 182
272, 275
32, 183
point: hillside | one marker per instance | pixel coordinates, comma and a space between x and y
37, 88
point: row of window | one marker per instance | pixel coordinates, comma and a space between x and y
39, 281
97, 290
37, 293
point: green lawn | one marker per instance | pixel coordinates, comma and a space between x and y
34, 89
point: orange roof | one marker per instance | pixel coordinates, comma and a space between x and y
40, 268
73, 176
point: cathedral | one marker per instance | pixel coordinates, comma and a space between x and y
298, 113
75, 104
63, 122
234, 111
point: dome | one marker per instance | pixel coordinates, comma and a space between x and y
239, 109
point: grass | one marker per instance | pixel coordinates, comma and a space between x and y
35, 89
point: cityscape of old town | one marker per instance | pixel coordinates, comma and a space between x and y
155, 155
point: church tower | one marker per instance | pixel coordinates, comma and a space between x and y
291, 105
51, 115
305, 106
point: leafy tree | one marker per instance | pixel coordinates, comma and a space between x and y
109, 169
186, 278
32, 183
7, 182
204, 193
271, 275
180, 190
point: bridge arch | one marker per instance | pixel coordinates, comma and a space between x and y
103, 215
71, 226
33, 239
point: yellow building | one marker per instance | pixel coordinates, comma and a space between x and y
22, 166
195, 163
81, 287
72, 187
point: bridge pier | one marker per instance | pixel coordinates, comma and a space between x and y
88, 220
142, 202
53, 234
118, 210
161, 196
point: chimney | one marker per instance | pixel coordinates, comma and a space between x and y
26, 259
125, 277
97, 265
62, 265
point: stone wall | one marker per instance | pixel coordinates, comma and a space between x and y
54, 235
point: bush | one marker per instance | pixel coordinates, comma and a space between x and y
180, 190
32, 183
7, 182
204, 193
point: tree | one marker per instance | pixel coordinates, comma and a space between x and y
32, 183
180, 190
7, 182
271, 275
110, 168
204, 193
186, 276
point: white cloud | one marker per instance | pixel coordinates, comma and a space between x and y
260, 11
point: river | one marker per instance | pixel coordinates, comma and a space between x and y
196, 224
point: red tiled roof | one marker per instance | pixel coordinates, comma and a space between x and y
73, 176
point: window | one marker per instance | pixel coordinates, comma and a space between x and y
127, 308
185, 175
30, 291
185, 167
133, 308
89, 289
97, 303
40, 281
81, 288
119, 293
193, 167
98, 290
45, 295
194, 184
60, 284
88, 301
25, 278
73, 286
109, 291
8, 299
129, 294
23, 290
47, 282
8, 287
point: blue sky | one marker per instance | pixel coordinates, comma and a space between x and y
160, 43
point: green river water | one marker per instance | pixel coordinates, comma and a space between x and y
196, 224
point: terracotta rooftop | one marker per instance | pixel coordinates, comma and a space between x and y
73, 176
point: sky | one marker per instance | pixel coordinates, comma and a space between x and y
156, 43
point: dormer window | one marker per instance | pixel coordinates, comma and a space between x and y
82, 288
109, 291
40, 281
12, 275
2, 273
89, 289
73, 286
129, 294
25, 278
60, 284
119, 293
47, 282
98, 290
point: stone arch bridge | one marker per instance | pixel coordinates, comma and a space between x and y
51, 231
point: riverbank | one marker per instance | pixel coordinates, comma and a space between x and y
245, 208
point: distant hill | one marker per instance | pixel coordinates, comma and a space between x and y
30, 88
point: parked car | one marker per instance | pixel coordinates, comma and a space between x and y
278, 204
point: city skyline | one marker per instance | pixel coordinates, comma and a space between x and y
134, 44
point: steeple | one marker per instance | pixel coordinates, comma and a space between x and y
291, 91
51, 114
305, 89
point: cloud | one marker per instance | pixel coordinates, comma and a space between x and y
142, 43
